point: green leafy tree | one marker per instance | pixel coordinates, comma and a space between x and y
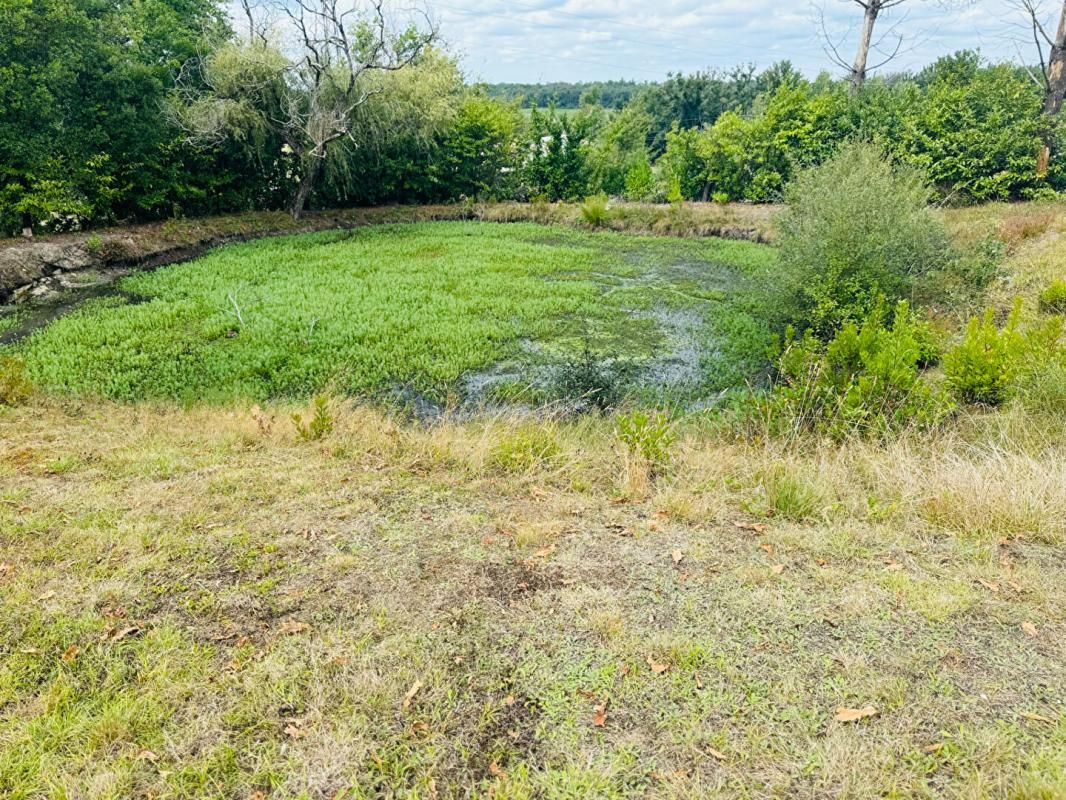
556, 163
976, 131
82, 84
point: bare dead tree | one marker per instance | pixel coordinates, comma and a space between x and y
860, 66
307, 87
338, 49
1052, 78
1052, 63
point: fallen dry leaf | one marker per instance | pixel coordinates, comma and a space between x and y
656, 667
544, 552
777, 569
410, 696
496, 771
677, 555
1036, 717
292, 626
116, 634
599, 715
1030, 629
71, 653
854, 714
756, 527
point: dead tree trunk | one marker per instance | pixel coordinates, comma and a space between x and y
862, 56
1052, 77
860, 67
307, 183
1056, 69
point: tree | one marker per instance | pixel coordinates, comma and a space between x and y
860, 67
308, 96
82, 136
1053, 65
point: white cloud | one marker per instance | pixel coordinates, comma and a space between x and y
544, 40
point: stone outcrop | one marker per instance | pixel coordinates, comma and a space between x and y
27, 264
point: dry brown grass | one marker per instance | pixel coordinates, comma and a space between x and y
288, 595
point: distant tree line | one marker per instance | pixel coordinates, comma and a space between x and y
126, 112
610, 94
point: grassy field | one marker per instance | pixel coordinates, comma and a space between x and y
419, 308
198, 602
195, 604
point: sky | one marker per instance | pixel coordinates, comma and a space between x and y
534, 41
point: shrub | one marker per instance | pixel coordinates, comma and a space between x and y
866, 381
989, 361
592, 382
594, 210
321, 422
1053, 298
648, 435
15, 387
856, 229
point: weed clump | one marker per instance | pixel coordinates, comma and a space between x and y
319, 425
650, 435
526, 448
990, 361
594, 211
592, 382
1053, 298
15, 386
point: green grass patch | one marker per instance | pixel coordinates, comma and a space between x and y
421, 306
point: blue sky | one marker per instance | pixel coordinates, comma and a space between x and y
548, 40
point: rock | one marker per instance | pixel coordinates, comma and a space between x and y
25, 264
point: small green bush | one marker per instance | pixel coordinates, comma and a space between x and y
15, 387
866, 381
856, 229
648, 435
321, 422
986, 365
594, 211
592, 382
1053, 298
